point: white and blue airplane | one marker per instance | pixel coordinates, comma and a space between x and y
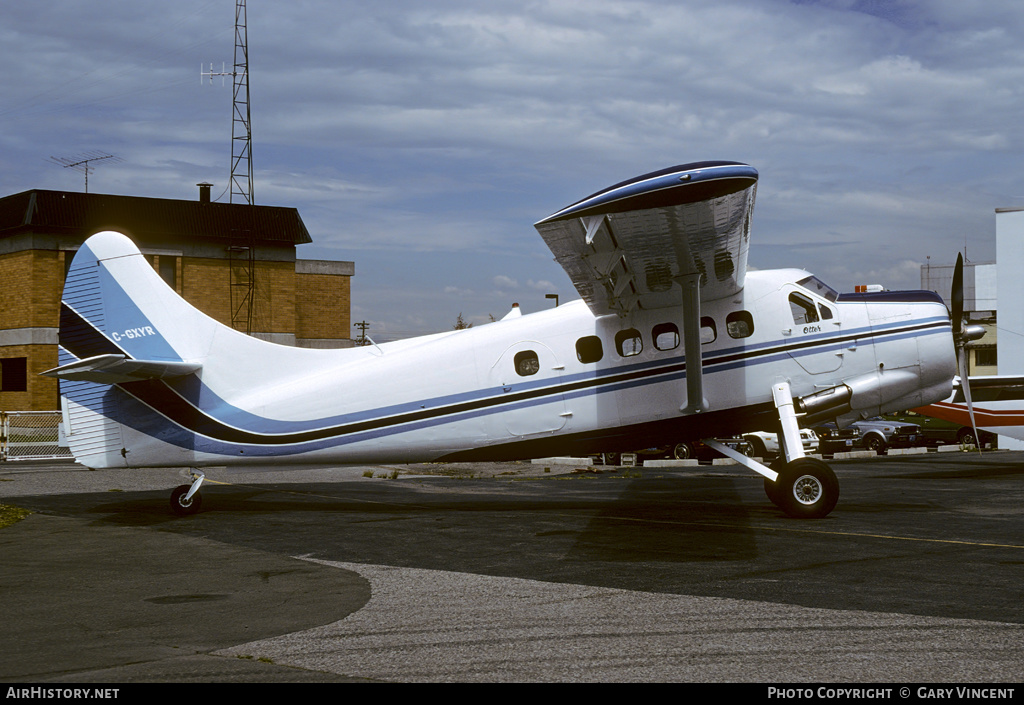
673, 340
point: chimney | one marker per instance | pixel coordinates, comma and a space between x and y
204, 192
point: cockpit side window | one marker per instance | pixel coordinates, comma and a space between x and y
803, 309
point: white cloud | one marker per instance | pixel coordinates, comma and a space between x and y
448, 128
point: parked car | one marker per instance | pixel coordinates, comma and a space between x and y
766, 445
936, 432
833, 440
879, 434
682, 451
701, 451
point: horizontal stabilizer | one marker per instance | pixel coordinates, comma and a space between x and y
114, 369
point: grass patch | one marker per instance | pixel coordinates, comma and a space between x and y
11, 515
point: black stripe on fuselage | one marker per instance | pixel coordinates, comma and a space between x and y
80, 338
165, 401
158, 396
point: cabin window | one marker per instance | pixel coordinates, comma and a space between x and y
628, 342
826, 312
527, 363
666, 336
739, 324
708, 330
589, 349
804, 310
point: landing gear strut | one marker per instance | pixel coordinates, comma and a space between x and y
805, 488
185, 499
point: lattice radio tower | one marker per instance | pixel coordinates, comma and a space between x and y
243, 268
241, 125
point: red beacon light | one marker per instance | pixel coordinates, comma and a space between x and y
868, 288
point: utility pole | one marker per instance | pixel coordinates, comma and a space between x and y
362, 339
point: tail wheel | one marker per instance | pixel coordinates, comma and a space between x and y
806, 488
182, 506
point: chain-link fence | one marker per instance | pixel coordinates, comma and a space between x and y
32, 435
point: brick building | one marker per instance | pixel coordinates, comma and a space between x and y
218, 256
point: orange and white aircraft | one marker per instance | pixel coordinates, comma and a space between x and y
997, 406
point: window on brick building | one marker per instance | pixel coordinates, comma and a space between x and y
14, 374
169, 269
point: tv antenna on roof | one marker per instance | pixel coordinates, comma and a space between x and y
82, 163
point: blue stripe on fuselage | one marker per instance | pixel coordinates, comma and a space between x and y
284, 437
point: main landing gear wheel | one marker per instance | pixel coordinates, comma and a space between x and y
182, 506
806, 488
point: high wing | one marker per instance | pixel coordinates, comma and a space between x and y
634, 244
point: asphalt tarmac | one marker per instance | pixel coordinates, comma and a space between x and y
511, 573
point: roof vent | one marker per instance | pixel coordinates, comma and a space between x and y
204, 192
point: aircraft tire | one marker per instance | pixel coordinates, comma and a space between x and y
183, 507
807, 489
772, 488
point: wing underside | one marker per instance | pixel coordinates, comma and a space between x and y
632, 245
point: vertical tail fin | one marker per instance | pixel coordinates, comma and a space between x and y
119, 322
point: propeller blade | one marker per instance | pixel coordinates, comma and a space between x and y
961, 336
956, 297
966, 385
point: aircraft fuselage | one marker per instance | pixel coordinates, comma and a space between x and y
560, 381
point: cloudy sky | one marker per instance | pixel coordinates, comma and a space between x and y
423, 140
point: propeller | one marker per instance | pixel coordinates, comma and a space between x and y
962, 335
957, 299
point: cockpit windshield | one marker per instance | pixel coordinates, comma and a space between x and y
817, 286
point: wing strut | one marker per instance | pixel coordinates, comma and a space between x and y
695, 401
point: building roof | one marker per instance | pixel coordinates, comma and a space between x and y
82, 214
